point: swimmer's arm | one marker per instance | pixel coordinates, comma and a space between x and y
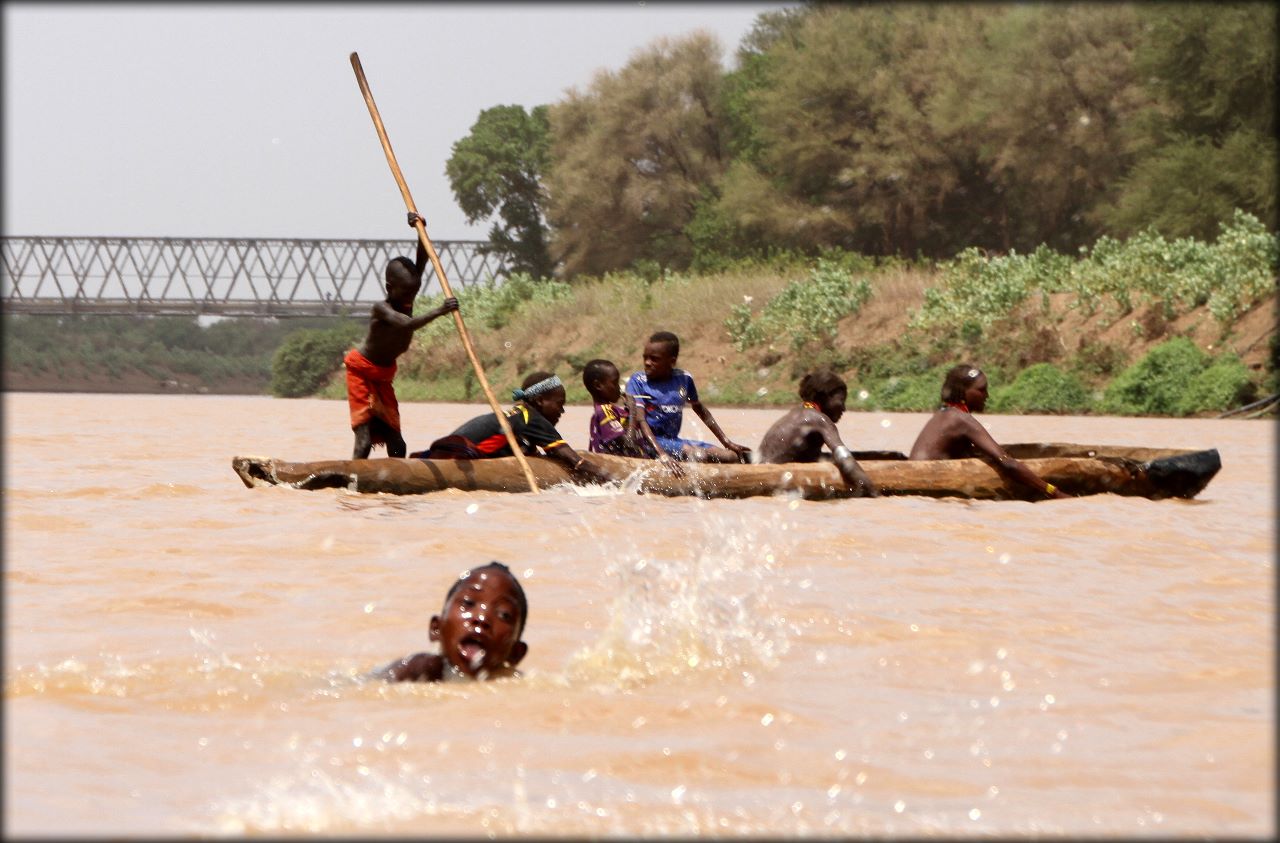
1005, 464
420, 667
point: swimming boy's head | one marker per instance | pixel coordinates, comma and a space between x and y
660, 354
965, 384
826, 389
544, 392
602, 380
403, 282
484, 615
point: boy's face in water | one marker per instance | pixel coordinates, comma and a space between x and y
658, 360
479, 632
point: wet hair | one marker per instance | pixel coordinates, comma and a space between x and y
819, 385
521, 601
672, 341
957, 381
595, 370
401, 270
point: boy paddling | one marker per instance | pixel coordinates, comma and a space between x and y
371, 368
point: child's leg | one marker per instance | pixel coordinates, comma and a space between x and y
708, 453
364, 442
388, 434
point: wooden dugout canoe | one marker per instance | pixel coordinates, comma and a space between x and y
1076, 469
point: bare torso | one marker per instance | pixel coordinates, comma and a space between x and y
385, 341
798, 436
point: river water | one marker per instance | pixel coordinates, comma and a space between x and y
183, 655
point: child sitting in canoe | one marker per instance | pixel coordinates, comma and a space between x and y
953, 433
375, 413
479, 631
618, 428
539, 405
800, 435
662, 390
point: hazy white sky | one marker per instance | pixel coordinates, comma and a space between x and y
245, 120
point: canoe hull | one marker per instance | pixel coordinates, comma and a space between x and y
1078, 470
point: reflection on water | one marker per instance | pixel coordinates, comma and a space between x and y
187, 655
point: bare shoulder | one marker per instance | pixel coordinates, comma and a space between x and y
420, 667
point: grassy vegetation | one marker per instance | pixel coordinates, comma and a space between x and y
770, 320
1110, 330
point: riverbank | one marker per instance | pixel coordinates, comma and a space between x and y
889, 360
1054, 334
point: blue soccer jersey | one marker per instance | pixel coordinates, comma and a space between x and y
663, 401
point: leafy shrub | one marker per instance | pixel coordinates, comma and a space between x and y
1223, 385
1041, 388
804, 311
908, 393
493, 304
1228, 276
1157, 384
307, 358
977, 290
1098, 359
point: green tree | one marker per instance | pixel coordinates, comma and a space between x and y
632, 157
1044, 106
844, 148
1206, 144
307, 358
498, 168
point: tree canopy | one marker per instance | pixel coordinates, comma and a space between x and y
499, 168
911, 130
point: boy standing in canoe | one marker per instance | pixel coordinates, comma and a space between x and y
662, 390
375, 413
800, 434
953, 433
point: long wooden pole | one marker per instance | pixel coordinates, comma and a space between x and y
444, 282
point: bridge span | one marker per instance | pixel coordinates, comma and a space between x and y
219, 276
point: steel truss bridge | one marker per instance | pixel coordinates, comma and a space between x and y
219, 276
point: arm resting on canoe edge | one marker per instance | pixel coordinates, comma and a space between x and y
854, 477
580, 468
709, 420
1007, 465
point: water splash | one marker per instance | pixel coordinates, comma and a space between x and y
711, 610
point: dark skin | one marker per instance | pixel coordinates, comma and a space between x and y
607, 389
551, 405
659, 364
391, 327
953, 434
801, 434
479, 634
